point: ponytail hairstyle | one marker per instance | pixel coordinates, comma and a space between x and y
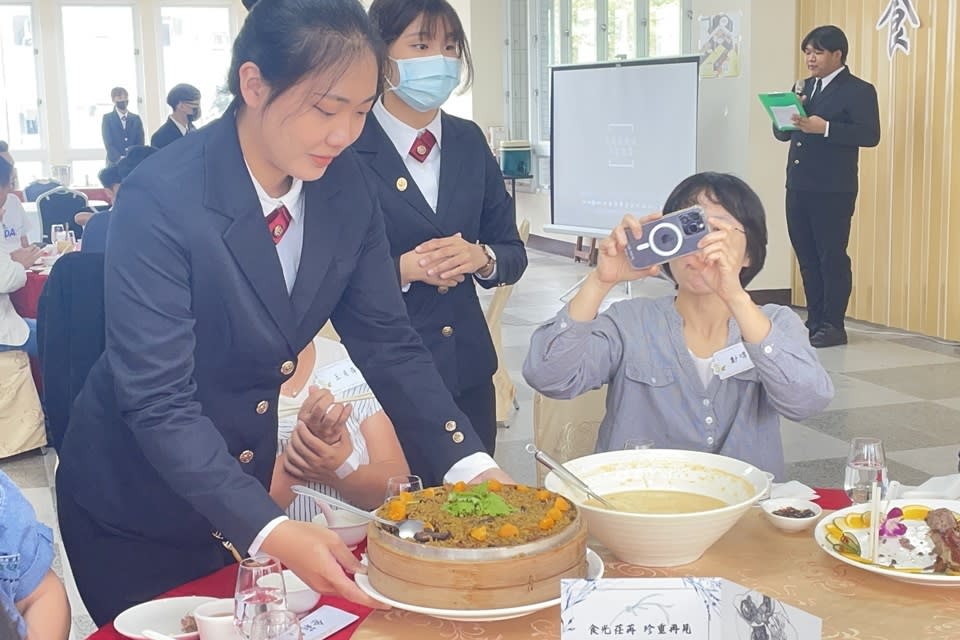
290, 40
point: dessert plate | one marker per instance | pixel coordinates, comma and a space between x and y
908, 557
594, 572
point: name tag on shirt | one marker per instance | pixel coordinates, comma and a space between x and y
731, 361
338, 376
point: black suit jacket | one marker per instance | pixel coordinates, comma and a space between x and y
829, 164
472, 200
167, 133
199, 325
118, 139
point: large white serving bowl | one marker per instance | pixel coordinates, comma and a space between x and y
662, 540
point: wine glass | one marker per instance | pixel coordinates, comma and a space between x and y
260, 589
276, 625
396, 484
866, 465
638, 443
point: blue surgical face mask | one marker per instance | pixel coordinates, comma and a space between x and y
426, 83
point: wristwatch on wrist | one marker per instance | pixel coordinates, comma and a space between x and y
491, 261
349, 465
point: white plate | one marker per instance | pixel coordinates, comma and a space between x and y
162, 616
917, 531
594, 572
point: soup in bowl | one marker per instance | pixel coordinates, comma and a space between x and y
671, 505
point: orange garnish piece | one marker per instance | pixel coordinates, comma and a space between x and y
523, 488
561, 504
494, 485
429, 493
405, 497
479, 533
460, 486
396, 510
508, 531
546, 524
555, 515
543, 495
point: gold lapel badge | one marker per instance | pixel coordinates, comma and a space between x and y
401, 184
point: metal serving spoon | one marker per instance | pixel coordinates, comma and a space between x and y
406, 529
546, 460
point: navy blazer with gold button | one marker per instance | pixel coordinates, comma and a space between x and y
175, 431
830, 164
472, 200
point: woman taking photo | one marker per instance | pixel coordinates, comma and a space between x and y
449, 218
664, 358
225, 259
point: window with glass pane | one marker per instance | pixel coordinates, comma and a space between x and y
85, 173
196, 50
583, 31
28, 171
99, 55
621, 29
19, 117
665, 30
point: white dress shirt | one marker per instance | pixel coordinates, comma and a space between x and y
823, 85
289, 250
427, 173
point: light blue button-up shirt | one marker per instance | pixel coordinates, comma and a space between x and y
638, 349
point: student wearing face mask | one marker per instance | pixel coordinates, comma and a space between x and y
449, 217
121, 128
184, 99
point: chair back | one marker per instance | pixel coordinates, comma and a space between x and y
505, 390
39, 187
567, 429
70, 334
21, 419
59, 206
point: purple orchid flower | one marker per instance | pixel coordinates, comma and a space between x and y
891, 526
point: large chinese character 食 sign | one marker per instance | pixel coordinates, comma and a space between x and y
894, 18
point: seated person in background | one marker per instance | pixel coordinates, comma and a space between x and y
351, 462
15, 332
657, 354
40, 608
13, 219
95, 230
184, 100
110, 179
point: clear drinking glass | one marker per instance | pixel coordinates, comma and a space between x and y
276, 625
638, 443
260, 589
57, 233
396, 484
866, 464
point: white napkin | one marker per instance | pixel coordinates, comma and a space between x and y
945, 487
793, 489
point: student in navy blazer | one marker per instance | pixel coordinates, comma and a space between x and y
449, 218
211, 291
121, 128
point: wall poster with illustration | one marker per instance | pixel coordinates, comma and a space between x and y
719, 42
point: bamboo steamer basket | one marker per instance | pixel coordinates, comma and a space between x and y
468, 579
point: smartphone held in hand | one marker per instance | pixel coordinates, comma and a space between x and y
673, 236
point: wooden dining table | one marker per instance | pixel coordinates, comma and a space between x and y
854, 604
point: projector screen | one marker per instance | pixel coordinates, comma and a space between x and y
622, 135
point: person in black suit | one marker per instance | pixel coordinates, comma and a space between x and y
449, 217
121, 128
184, 101
224, 260
842, 115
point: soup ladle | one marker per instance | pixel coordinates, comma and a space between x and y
406, 529
567, 476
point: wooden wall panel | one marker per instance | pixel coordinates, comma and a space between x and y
905, 241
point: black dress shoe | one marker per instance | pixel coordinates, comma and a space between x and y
828, 336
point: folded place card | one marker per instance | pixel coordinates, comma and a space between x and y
691, 608
324, 622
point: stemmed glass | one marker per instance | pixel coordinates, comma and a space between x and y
866, 464
260, 589
396, 484
276, 625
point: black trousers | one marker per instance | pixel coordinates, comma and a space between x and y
115, 570
480, 405
819, 227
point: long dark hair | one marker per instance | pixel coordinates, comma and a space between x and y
742, 202
391, 17
291, 39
